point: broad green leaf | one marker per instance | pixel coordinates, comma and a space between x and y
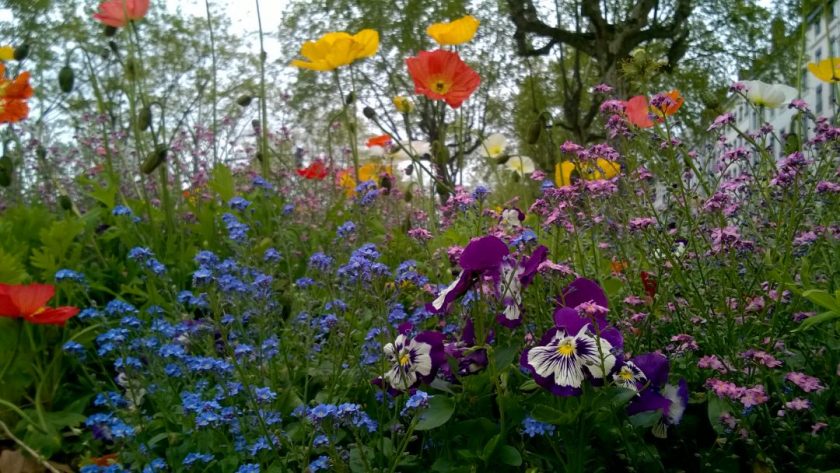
509, 455
819, 319
222, 183
505, 356
440, 410
822, 298
645, 419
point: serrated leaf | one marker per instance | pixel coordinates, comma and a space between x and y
12, 270
221, 182
439, 412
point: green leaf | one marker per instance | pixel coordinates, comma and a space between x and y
222, 183
440, 410
510, 455
612, 286
822, 298
505, 356
490, 447
818, 319
645, 419
12, 270
715, 408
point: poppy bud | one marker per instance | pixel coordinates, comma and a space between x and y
7, 168
369, 113
351, 97
66, 77
255, 124
408, 196
65, 202
244, 101
110, 31
22, 52
41, 152
113, 45
534, 132
259, 156
144, 118
155, 159
409, 169
385, 183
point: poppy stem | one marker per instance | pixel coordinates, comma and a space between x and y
14, 351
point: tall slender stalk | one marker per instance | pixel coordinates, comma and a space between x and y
213, 86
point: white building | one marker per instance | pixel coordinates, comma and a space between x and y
822, 40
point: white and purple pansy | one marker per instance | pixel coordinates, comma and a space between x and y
511, 218
655, 395
570, 353
482, 256
413, 360
514, 279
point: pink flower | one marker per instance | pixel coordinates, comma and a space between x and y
805, 382
712, 362
817, 427
754, 396
118, 13
798, 404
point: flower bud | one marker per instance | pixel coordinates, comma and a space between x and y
66, 77
7, 168
113, 46
244, 101
22, 52
369, 113
351, 97
110, 31
155, 159
403, 104
534, 132
144, 118
65, 202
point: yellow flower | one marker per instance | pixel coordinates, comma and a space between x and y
454, 32
337, 49
827, 70
602, 169
368, 172
7, 53
403, 104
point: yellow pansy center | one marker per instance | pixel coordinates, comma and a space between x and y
566, 348
404, 359
625, 374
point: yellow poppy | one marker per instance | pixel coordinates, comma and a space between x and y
403, 104
454, 32
7, 53
601, 169
367, 172
337, 49
827, 70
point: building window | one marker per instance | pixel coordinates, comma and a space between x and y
819, 105
818, 55
817, 27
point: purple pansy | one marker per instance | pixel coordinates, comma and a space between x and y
481, 256
469, 361
653, 392
413, 360
513, 281
570, 353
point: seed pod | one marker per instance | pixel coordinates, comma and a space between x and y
259, 156
409, 169
113, 46
154, 160
408, 196
244, 101
110, 31
65, 202
369, 113
144, 118
22, 52
66, 77
7, 168
351, 97
41, 152
534, 132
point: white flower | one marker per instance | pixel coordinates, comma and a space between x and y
768, 95
416, 148
494, 146
521, 165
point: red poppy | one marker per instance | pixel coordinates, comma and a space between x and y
29, 303
381, 140
442, 75
649, 283
639, 112
316, 170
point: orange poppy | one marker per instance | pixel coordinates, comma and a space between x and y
618, 267
316, 170
13, 95
442, 75
29, 303
381, 140
639, 112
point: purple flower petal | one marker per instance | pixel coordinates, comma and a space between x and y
648, 400
532, 264
483, 254
447, 296
583, 290
654, 366
569, 319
